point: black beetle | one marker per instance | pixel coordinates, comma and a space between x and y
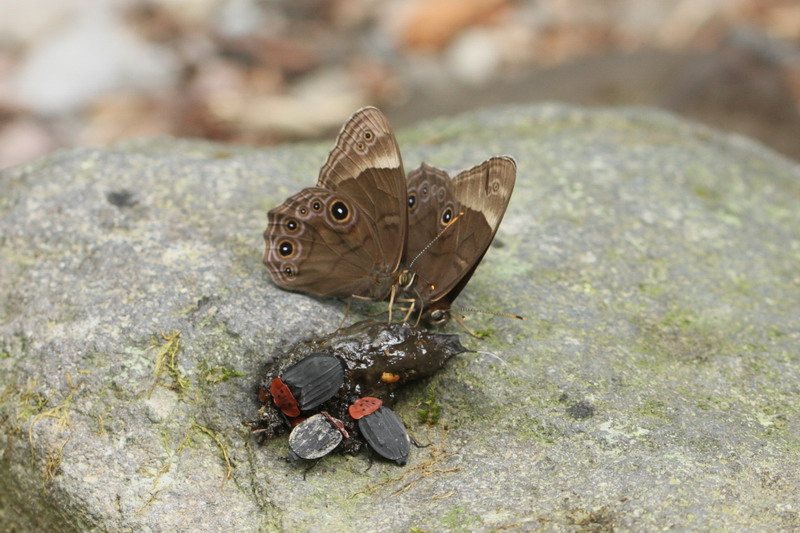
386, 434
316, 437
377, 359
314, 380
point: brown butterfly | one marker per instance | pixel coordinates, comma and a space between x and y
363, 232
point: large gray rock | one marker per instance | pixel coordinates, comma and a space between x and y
654, 385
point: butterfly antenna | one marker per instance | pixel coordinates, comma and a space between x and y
425, 249
495, 313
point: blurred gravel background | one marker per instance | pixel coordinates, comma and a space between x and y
77, 72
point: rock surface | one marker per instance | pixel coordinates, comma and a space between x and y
654, 385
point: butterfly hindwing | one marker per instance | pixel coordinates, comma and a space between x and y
309, 250
345, 237
453, 223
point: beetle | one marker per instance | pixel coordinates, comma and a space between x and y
378, 359
382, 429
316, 437
307, 384
364, 406
283, 398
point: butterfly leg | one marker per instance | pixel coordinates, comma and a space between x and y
410, 310
364, 299
419, 317
373, 315
461, 323
421, 308
391, 301
346, 312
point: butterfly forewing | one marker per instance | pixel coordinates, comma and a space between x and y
366, 165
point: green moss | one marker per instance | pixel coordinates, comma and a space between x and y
742, 285
167, 362
774, 332
538, 430
653, 407
540, 328
458, 518
484, 333
428, 413
600, 520
216, 374
681, 335
704, 192
222, 447
18, 405
651, 289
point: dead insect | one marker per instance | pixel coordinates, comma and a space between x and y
316, 437
373, 359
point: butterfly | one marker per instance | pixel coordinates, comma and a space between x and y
366, 231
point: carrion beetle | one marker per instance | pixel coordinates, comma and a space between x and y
315, 437
283, 398
306, 384
374, 360
364, 406
314, 380
386, 434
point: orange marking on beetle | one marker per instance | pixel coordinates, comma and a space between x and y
283, 398
364, 406
297, 421
338, 424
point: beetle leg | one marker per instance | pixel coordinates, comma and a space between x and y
417, 444
307, 470
371, 460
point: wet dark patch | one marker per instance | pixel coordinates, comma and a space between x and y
121, 198
581, 410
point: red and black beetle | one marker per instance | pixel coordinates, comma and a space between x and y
364, 406
382, 429
307, 384
283, 398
